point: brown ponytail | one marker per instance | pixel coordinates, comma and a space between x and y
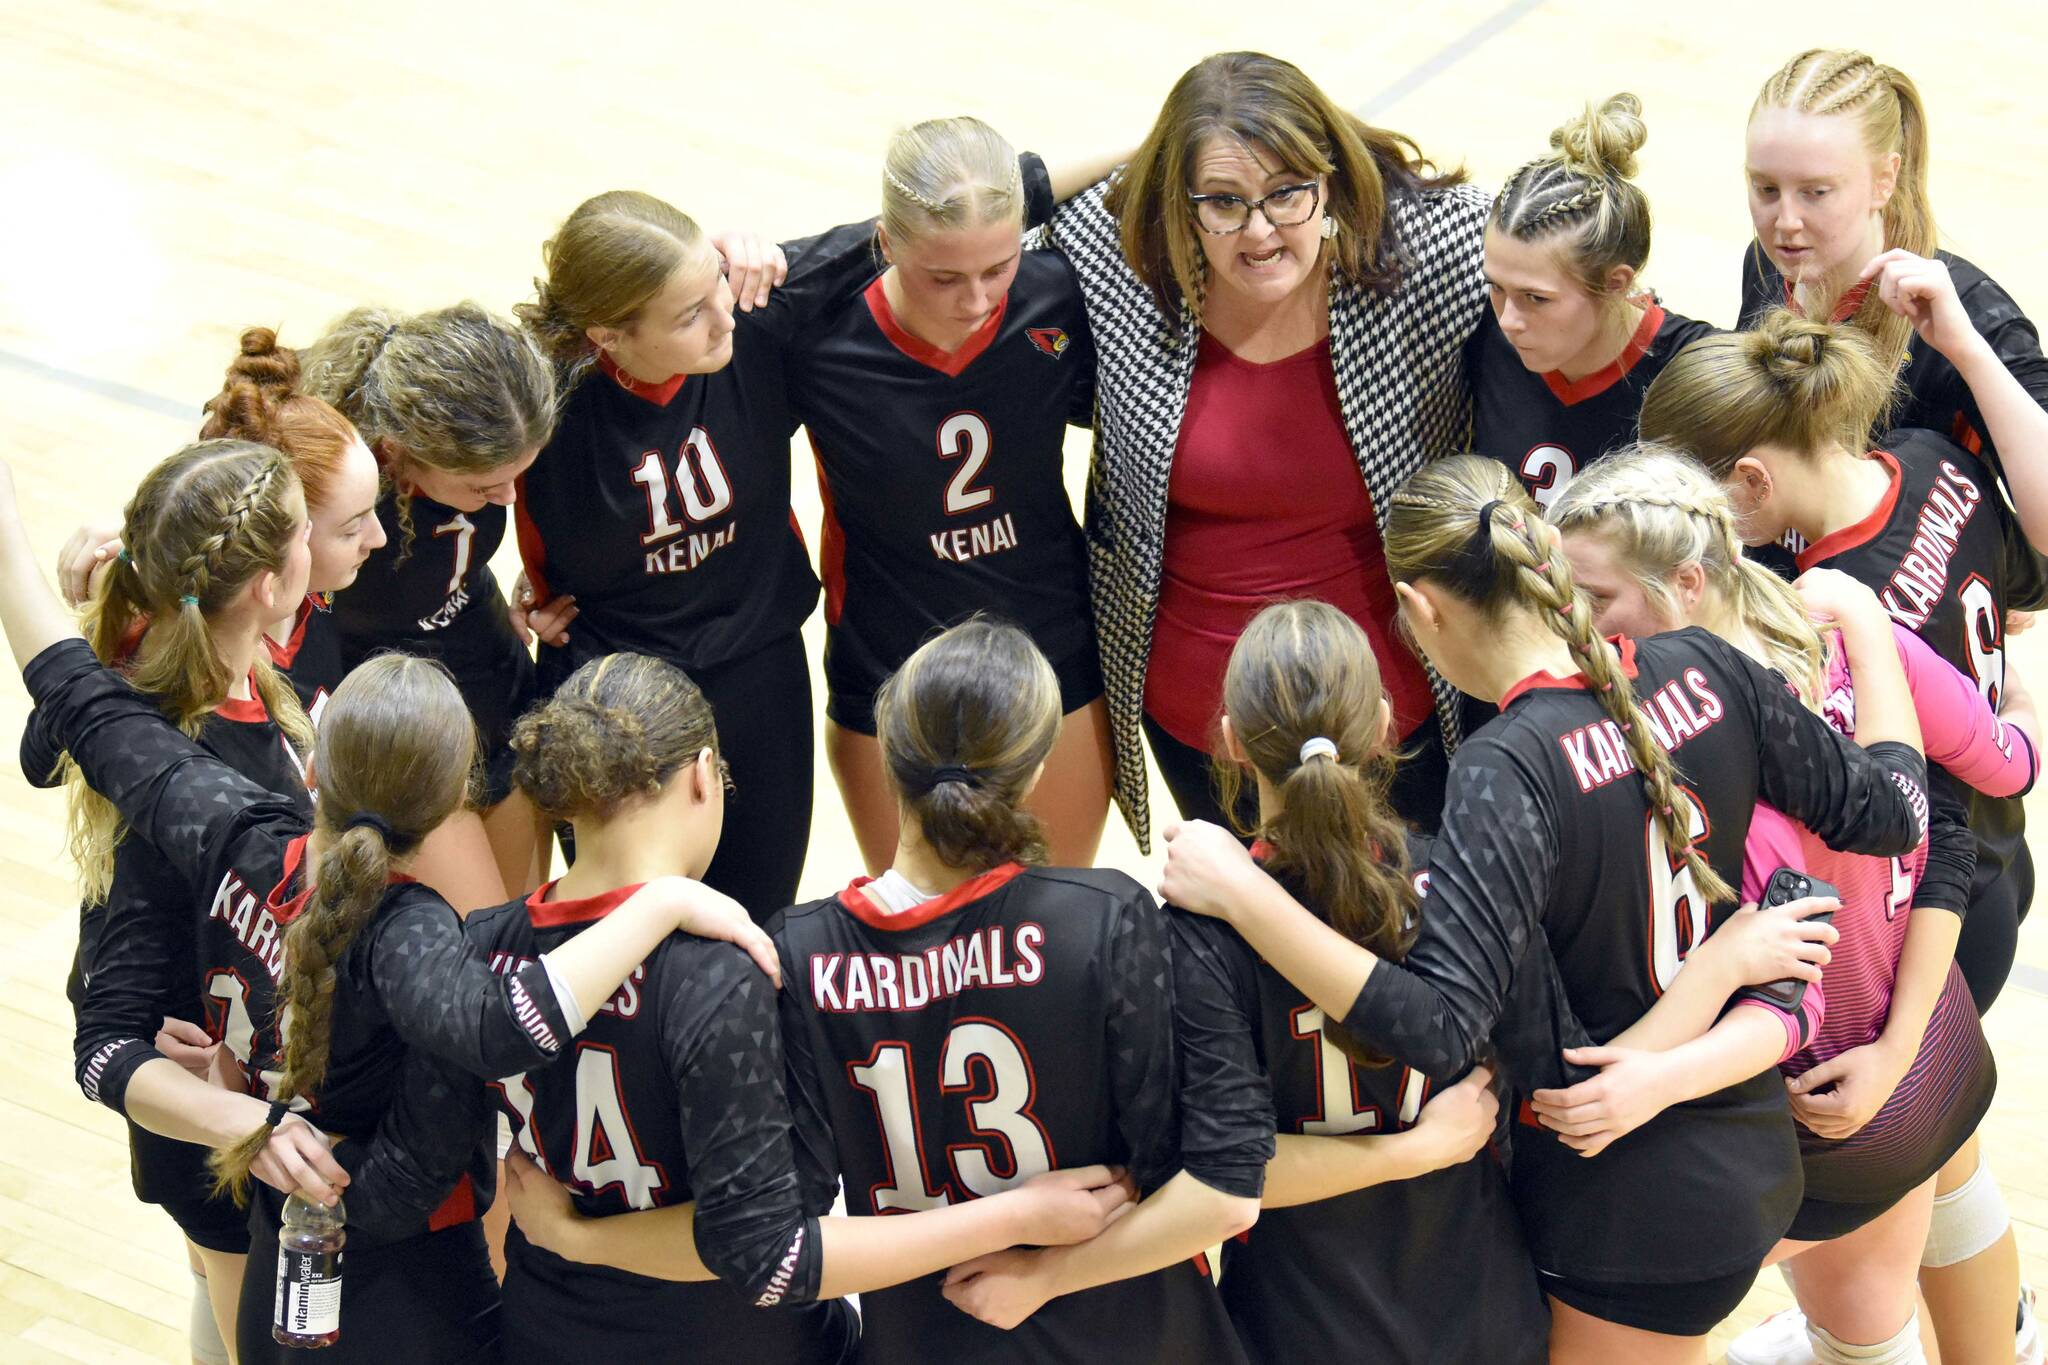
1466, 524
965, 724
619, 728
610, 257
1303, 671
394, 754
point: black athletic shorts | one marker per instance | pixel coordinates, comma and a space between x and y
1692, 1309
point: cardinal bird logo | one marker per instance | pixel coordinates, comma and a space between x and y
1051, 340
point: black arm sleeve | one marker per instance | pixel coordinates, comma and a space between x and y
173, 793
752, 1230
432, 1131
1226, 1099
145, 940
1855, 800
1038, 198
441, 995
1490, 872
1951, 849
825, 270
40, 751
1139, 1031
816, 1150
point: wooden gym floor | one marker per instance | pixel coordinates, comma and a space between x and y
175, 171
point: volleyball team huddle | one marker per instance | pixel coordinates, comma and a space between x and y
1459, 1029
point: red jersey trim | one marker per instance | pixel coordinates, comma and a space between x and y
533, 552
283, 907
458, 1208
948, 363
661, 395
248, 710
1849, 537
973, 889
831, 540
1845, 307
281, 655
1571, 391
549, 913
1542, 680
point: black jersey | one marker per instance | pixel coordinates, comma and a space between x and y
1931, 394
671, 1095
1021, 1022
311, 656
1548, 843
1448, 1277
664, 510
437, 597
1936, 549
408, 980
1547, 428
942, 471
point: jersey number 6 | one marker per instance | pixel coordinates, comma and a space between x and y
1678, 912
984, 1061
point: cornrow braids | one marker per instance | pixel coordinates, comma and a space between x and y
1466, 522
1660, 510
197, 569
1581, 195
947, 173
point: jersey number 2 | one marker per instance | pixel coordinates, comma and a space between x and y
965, 434
984, 1061
699, 477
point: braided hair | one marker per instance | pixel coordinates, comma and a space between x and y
1465, 524
949, 173
1659, 511
1581, 196
394, 754
201, 526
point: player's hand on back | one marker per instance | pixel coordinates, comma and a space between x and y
1457, 1121
541, 1206
85, 556
1207, 870
754, 265
1632, 1088
1002, 1289
1062, 1207
187, 1044
713, 914
1833, 596
1839, 1096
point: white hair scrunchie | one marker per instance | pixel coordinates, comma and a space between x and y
1318, 747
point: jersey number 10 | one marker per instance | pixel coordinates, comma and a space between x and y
699, 478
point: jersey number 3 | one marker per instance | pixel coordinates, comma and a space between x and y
986, 1063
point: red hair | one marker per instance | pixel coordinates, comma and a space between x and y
261, 402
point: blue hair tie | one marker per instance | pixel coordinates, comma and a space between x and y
189, 600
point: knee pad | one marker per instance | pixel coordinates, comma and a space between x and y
1968, 1219
1901, 1348
203, 1331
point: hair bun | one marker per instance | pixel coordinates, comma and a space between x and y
1603, 142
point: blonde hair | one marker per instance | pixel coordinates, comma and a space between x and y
1658, 511
1263, 102
964, 725
620, 727
1465, 524
396, 743
1582, 197
1799, 385
201, 526
613, 254
1893, 119
949, 173
1302, 671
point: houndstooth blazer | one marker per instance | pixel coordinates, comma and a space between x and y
1400, 382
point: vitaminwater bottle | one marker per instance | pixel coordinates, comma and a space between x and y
307, 1311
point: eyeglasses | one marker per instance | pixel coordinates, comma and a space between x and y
1289, 206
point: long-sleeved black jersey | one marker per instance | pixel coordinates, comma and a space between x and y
1547, 831
1936, 550
409, 979
941, 471
1021, 1022
1931, 393
1429, 1269
436, 597
672, 1094
1547, 428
